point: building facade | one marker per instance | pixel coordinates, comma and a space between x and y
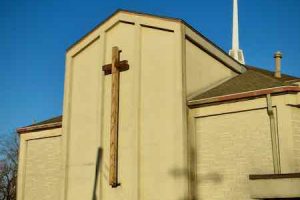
193, 123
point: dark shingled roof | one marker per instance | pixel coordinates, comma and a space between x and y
284, 77
253, 79
48, 121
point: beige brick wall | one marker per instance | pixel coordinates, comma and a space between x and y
229, 148
42, 173
296, 134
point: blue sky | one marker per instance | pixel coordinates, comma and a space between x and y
35, 34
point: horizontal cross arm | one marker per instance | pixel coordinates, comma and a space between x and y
122, 66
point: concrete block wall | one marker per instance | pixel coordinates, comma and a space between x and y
229, 148
40, 165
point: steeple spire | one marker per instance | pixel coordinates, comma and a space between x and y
236, 52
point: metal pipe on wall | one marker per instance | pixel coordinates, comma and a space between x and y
274, 136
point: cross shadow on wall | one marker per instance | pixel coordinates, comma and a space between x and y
193, 178
97, 170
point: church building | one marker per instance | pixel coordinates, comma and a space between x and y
153, 110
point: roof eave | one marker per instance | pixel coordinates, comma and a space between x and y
243, 95
39, 127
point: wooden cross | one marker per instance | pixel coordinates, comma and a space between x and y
115, 68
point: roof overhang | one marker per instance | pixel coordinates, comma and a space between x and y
39, 127
243, 95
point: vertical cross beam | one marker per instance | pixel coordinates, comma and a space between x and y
113, 171
114, 69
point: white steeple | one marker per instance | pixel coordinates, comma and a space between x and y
236, 52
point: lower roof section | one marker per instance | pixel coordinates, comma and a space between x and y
55, 122
253, 82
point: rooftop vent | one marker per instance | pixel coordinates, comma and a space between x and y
277, 56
